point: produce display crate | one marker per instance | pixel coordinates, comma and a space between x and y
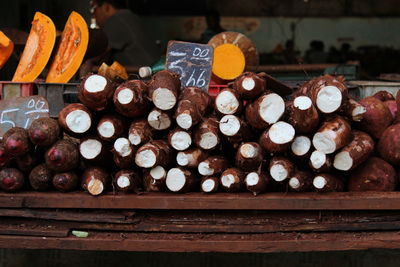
58, 95
362, 89
10, 90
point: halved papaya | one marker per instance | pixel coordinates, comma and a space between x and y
37, 49
72, 49
6, 49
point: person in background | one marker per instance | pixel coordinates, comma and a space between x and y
213, 26
290, 54
316, 54
128, 42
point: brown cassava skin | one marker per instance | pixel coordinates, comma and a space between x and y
238, 184
326, 167
5, 158
383, 96
334, 183
161, 149
252, 163
258, 89
377, 118
196, 155
98, 174
216, 183
360, 148
236, 111
271, 147
389, 145
303, 121
285, 162
373, 175
141, 128
154, 185
96, 101
339, 128
191, 181
134, 179
118, 123
65, 181
11, 180
305, 179
252, 114
244, 134
164, 79
397, 120
127, 162
63, 156
41, 177
64, 113
16, 141
139, 106
28, 161
209, 125
392, 106
44, 132
262, 185
349, 106
217, 163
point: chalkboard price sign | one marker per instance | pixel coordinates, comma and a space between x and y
193, 62
21, 111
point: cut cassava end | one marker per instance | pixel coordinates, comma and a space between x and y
228, 102
95, 180
164, 98
232, 180
41, 177
301, 145
156, 152
303, 115
334, 134
353, 110
159, 120
207, 134
179, 139
130, 99
250, 85
62, 156
373, 175
191, 158
209, 184
277, 138
320, 162
95, 92
11, 180
66, 181
94, 151
44, 131
180, 180
329, 99
236, 129
110, 127
266, 110
213, 165
325, 182
301, 181
16, 141
164, 88
355, 153
228, 62
249, 156
75, 118
257, 182
124, 153
154, 179
280, 168
140, 132
127, 181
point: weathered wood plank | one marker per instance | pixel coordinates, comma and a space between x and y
199, 201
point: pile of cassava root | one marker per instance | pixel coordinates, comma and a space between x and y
156, 136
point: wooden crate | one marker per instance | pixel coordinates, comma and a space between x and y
58, 95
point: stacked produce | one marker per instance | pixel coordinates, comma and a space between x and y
157, 136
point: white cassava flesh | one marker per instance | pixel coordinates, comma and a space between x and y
272, 108
357, 113
319, 182
157, 172
78, 121
318, 159
329, 99
183, 159
324, 142
125, 96
95, 187
281, 132
294, 183
229, 125
343, 161
95, 83
248, 151
123, 181
184, 121
135, 139
164, 99
158, 120
122, 146
208, 185
106, 129
278, 172
204, 169
208, 141
181, 140
248, 84
90, 148
145, 158
302, 102
227, 103
301, 145
227, 180
252, 179
175, 180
